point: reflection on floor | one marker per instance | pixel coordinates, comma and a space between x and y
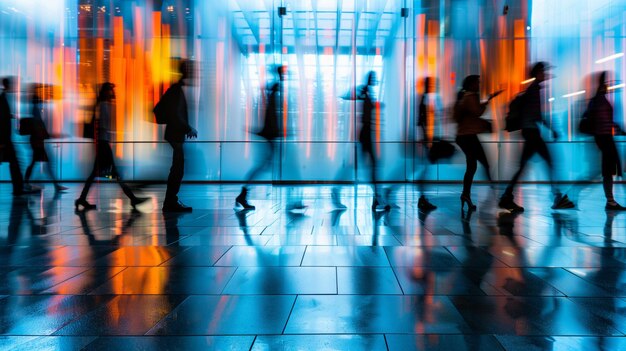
350, 279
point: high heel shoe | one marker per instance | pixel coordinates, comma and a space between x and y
466, 199
424, 205
86, 205
242, 199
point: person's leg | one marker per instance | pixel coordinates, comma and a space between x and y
265, 161
175, 177
16, 175
89, 181
528, 151
468, 147
482, 158
607, 185
544, 153
115, 174
29, 171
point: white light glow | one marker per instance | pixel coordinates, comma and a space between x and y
617, 86
528, 80
611, 57
575, 93
551, 99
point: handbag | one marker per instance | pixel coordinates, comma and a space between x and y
89, 128
26, 126
440, 149
486, 127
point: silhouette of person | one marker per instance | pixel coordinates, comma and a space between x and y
271, 132
532, 116
104, 163
366, 136
38, 134
7, 149
600, 112
467, 112
176, 130
427, 113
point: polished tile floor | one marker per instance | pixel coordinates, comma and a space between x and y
319, 279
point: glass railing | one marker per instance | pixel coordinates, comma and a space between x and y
311, 161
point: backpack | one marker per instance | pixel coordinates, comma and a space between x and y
513, 119
166, 107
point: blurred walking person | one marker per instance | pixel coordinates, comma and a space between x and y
600, 112
271, 132
38, 134
367, 135
531, 117
104, 163
7, 149
429, 111
176, 130
467, 112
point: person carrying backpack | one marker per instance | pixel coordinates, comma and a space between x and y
530, 118
172, 111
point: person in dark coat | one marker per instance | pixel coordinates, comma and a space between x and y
366, 136
601, 113
38, 134
271, 132
176, 131
104, 163
428, 113
467, 113
7, 149
532, 116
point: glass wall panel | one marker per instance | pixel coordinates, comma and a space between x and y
71, 47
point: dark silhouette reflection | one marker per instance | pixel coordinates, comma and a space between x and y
531, 119
38, 134
335, 216
608, 277
429, 112
271, 132
177, 129
172, 232
378, 220
7, 149
19, 207
467, 112
104, 162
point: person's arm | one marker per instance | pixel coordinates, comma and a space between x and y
179, 121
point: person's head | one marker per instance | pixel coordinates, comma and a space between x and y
471, 83
107, 92
7, 83
34, 93
371, 79
184, 68
602, 82
281, 72
539, 71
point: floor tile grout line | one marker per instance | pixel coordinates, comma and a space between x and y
106, 281
253, 341
306, 247
386, 343
225, 252
289, 315
229, 280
